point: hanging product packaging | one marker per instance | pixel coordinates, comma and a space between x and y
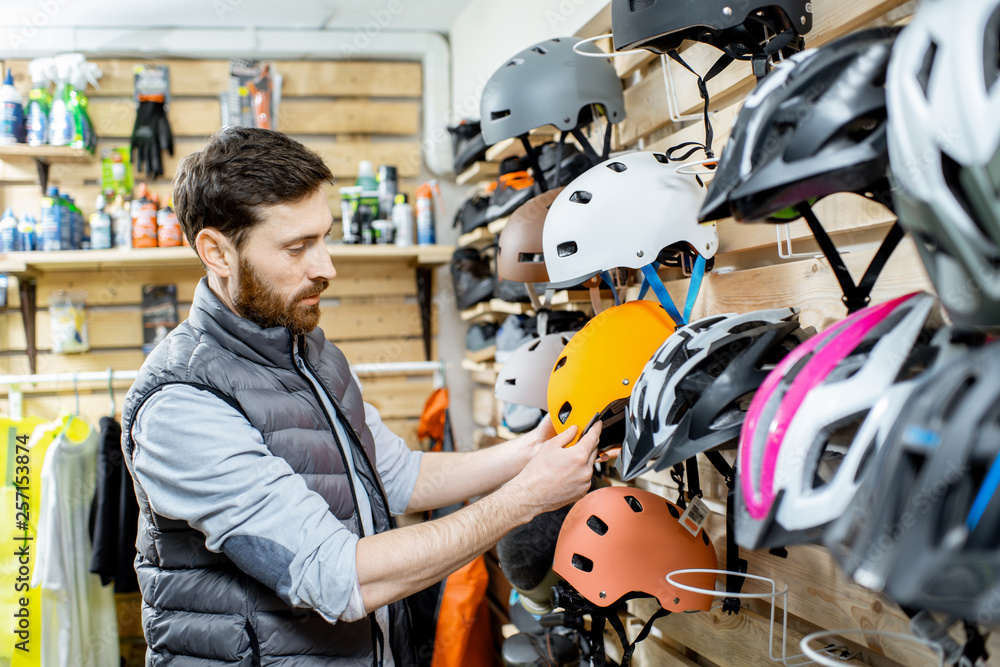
67, 311
254, 94
116, 170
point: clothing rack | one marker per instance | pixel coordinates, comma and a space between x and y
16, 396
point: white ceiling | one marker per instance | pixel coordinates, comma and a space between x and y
383, 15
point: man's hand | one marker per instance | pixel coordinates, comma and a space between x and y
556, 475
540, 434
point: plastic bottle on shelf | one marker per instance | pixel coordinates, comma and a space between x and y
388, 188
61, 125
143, 219
100, 225
402, 220
50, 233
27, 231
168, 229
80, 238
366, 176
425, 213
121, 224
12, 129
9, 241
36, 117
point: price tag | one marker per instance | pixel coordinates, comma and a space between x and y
695, 515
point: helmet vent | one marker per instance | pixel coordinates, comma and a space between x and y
991, 50
540, 50
661, 158
560, 363
515, 62
510, 382
582, 563
534, 346
581, 197
704, 538
598, 526
924, 75
639, 5
617, 167
634, 503
564, 412
529, 257
673, 511
567, 249
497, 115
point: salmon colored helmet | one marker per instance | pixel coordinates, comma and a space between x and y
619, 540
593, 377
519, 249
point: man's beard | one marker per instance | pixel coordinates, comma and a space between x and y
263, 306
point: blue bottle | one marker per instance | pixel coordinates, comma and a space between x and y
50, 232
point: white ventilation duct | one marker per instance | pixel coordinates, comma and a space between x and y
369, 43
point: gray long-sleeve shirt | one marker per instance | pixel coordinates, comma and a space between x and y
200, 461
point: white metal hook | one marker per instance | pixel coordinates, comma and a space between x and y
785, 659
822, 659
673, 106
691, 168
786, 242
616, 54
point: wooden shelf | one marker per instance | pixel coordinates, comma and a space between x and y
47, 154
513, 147
478, 172
485, 354
35, 263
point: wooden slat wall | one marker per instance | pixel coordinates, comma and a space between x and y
347, 112
752, 276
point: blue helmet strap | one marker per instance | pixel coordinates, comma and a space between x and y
694, 286
653, 280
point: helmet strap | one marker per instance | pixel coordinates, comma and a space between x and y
610, 282
857, 296
533, 161
653, 280
703, 91
734, 583
585, 144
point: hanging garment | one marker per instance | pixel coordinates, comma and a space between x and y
115, 514
79, 624
19, 494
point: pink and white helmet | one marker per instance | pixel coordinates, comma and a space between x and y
823, 411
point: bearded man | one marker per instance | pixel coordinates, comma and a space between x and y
266, 484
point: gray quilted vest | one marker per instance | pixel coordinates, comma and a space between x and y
199, 609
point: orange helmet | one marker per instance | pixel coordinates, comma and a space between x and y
620, 540
519, 249
593, 377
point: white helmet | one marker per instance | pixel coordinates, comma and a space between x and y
823, 412
944, 150
623, 213
524, 377
693, 394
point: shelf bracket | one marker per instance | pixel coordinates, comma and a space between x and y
424, 281
29, 306
42, 165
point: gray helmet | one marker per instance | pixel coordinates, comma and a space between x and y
924, 526
944, 150
549, 84
524, 378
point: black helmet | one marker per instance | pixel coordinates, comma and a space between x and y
924, 526
737, 28
815, 126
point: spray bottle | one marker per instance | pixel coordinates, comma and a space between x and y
39, 102
82, 73
425, 212
61, 126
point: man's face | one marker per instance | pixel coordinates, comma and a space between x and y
284, 266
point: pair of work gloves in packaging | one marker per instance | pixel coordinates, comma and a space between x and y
150, 136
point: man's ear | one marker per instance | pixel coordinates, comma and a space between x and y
217, 252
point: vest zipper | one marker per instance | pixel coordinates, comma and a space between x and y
378, 641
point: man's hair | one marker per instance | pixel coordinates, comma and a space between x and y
241, 170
